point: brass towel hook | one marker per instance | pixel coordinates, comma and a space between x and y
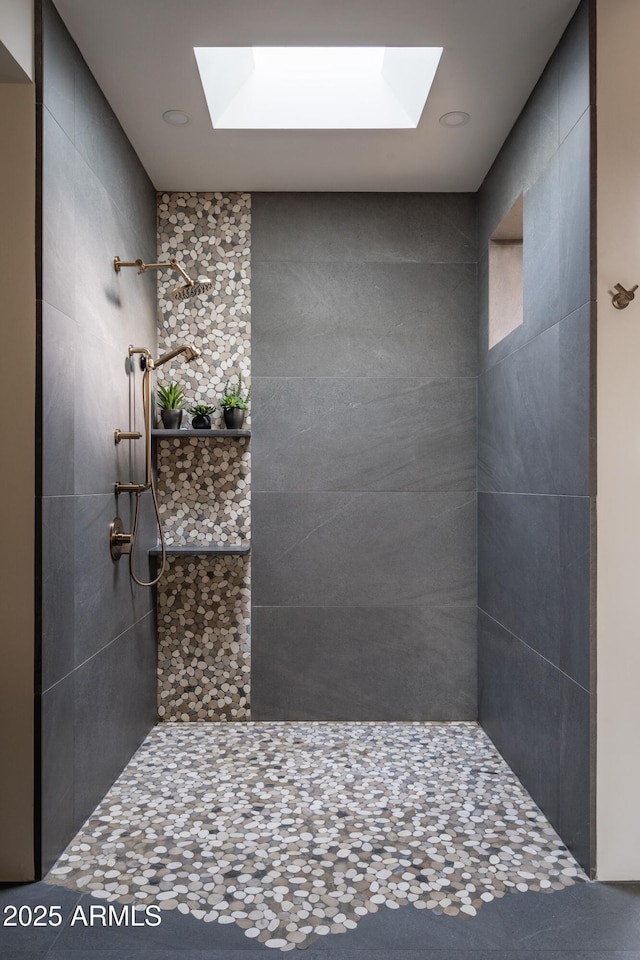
623, 297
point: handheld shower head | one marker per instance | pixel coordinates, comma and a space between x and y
191, 289
190, 353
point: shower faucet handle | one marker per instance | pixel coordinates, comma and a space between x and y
623, 297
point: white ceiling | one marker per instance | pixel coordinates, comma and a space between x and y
141, 53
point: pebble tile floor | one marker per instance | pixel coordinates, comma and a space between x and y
344, 840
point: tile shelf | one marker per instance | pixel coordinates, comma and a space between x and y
202, 550
207, 434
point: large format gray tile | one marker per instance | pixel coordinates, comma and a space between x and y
575, 216
533, 414
542, 296
327, 549
58, 588
118, 309
416, 227
58, 365
363, 434
58, 216
575, 770
363, 663
57, 772
520, 708
532, 143
106, 601
533, 573
104, 146
115, 707
574, 79
100, 405
59, 56
363, 319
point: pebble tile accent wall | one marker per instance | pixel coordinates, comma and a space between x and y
295, 831
204, 484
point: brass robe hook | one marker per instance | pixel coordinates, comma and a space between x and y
623, 297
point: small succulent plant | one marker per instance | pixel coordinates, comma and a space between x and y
171, 397
233, 395
201, 410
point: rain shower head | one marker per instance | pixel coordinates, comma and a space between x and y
191, 289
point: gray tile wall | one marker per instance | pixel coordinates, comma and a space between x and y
363, 457
98, 631
534, 410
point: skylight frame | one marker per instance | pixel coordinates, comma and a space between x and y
313, 88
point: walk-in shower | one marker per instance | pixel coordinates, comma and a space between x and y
119, 540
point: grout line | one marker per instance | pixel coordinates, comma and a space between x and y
536, 652
101, 650
486, 366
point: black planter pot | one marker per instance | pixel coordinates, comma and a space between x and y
201, 421
171, 419
233, 418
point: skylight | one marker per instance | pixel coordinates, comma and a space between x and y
316, 88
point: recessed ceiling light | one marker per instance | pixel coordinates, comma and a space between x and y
176, 117
456, 118
316, 88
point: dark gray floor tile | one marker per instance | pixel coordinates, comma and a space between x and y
59, 56
58, 588
134, 952
28, 941
58, 217
519, 706
533, 414
425, 227
575, 770
574, 70
175, 932
57, 770
365, 434
586, 917
363, 319
533, 573
363, 663
575, 217
115, 707
328, 549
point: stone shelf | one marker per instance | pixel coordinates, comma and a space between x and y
203, 550
200, 433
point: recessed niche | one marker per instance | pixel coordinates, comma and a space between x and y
505, 275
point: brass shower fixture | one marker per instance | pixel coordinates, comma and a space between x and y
191, 288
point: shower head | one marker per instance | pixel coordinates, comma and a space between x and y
190, 353
191, 289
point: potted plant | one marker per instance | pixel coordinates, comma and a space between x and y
171, 402
201, 416
234, 404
